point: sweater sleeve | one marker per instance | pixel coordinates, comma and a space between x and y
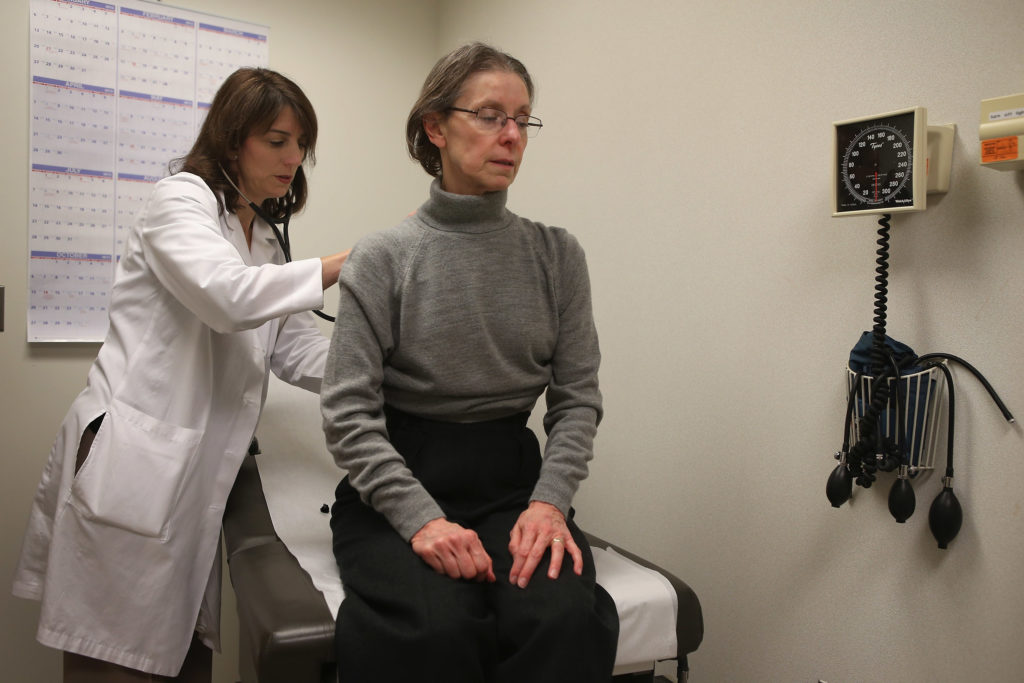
351, 398
574, 407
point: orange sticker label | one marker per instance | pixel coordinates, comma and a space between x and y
999, 149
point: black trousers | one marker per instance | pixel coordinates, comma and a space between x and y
401, 621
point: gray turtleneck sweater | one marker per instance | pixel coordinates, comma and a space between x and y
463, 312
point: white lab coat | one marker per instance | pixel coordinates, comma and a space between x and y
125, 555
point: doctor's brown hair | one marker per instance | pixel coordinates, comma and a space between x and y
248, 102
443, 86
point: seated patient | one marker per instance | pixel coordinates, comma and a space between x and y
450, 326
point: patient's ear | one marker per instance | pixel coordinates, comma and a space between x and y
434, 127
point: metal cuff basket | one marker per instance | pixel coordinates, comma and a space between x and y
920, 393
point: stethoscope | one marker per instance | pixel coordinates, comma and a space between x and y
282, 234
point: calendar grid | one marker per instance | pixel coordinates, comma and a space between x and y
118, 90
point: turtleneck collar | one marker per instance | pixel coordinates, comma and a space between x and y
475, 214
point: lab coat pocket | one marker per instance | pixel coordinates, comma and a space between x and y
135, 471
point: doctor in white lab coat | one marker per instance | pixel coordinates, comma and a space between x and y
122, 545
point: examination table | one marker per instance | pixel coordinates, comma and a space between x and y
286, 627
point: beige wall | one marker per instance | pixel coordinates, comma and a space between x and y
687, 145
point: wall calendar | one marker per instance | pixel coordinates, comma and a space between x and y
117, 90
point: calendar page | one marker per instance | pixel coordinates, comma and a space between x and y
118, 90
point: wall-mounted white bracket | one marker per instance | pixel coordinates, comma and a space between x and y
940, 156
1001, 131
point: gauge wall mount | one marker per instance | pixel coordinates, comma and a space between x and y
880, 163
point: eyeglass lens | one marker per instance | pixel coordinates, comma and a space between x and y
494, 120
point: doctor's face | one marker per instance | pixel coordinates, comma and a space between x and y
267, 161
474, 161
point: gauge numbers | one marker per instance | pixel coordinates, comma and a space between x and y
876, 164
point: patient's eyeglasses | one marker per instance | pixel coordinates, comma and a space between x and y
492, 121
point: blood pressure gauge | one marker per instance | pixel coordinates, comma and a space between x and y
880, 163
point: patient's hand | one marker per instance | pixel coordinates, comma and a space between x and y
539, 527
453, 550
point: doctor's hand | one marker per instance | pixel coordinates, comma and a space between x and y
331, 267
453, 550
539, 527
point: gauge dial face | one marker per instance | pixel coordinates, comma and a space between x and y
877, 164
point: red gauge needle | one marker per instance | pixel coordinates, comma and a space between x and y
876, 186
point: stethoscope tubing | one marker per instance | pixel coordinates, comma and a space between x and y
280, 235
